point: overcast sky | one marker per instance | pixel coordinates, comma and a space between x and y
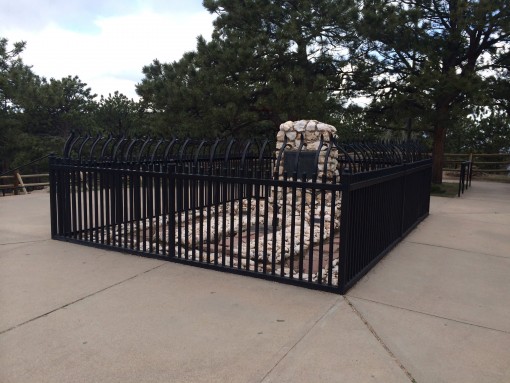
104, 42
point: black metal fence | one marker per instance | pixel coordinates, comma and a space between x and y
226, 205
465, 176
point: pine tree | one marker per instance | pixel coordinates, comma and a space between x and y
267, 62
433, 61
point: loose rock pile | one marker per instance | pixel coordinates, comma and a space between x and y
309, 135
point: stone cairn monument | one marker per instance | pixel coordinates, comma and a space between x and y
305, 217
308, 136
313, 138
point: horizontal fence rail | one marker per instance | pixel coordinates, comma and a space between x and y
17, 182
13, 180
482, 164
227, 205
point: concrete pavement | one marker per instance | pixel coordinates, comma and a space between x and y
435, 309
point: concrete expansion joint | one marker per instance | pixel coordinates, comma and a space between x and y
331, 308
454, 248
374, 333
79, 300
22, 242
428, 314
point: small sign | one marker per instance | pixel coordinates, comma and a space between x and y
305, 164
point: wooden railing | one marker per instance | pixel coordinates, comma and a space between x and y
12, 180
18, 183
493, 163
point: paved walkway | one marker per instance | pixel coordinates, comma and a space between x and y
436, 309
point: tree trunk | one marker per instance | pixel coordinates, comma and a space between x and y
438, 153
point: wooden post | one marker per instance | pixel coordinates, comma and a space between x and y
15, 182
18, 182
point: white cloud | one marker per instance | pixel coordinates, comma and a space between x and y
111, 58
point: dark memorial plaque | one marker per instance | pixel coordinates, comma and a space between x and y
305, 165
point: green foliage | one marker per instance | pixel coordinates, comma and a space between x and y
423, 66
267, 62
59, 107
446, 189
15, 80
37, 115
15, 77
433, 62
433, 69
119, 115
485, 132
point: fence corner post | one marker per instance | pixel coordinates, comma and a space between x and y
345, 180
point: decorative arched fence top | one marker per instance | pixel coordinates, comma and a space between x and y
243, 157
149, 149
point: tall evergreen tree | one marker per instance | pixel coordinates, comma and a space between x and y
59, 107
119, 115
268, 61
17, 85
433, 61
36, 114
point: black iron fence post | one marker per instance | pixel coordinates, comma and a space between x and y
64, 185
403, 178
464, 177
346, 179
53, 195
170, 196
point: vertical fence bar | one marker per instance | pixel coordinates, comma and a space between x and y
119, 212
97, 222
91, 191
257, 227
332, 234
238, 198
53, 195
178, 207
171, 206
209, 201
150, 210
125, 208
73, 221
193, 210
201, 192
403, 178
322, 214
86, 223
79, 203
67, 201
312, 233
108, 204
344, 257
102, 191
232, 215
167, 199
283, 225
248, 212
137, 200
186, 207
267, 188
216, 219
292, 228
157, 212
302, 233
